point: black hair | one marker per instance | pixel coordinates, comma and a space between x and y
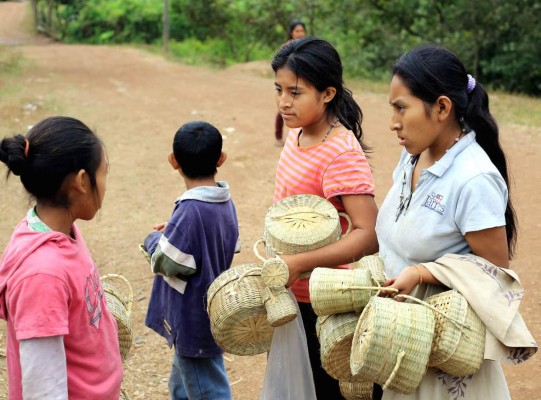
52, 150
197, 148
430, 72
293, 24
317, 62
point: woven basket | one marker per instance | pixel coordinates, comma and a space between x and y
300, 223
392, 343
376, 267
335, 333
238, 319
120, 306
459, 340
279, 305
334, 291
356, 390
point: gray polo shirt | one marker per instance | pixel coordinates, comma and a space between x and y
462, 192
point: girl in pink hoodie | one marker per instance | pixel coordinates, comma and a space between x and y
61, 338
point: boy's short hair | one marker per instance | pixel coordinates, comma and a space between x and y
197, 148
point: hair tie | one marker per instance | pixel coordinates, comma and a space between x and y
26, 147
471, 84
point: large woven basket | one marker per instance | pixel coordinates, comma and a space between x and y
334, 291
300, 223
335, 333
238, 319
119, 305
356, 390
392, 343
459, 340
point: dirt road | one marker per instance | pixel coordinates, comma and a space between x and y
136, 101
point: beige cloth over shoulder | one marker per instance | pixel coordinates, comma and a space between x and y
494, 293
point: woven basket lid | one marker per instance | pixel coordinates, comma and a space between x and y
300, 223
238, 318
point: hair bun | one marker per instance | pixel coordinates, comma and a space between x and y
12, 154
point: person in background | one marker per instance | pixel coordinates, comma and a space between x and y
296, 30
323, 155
61, 338
187, 254
450, 195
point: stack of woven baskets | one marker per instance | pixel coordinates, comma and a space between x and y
365, 338
338, 296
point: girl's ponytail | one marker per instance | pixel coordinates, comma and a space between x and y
478, 117
348, 112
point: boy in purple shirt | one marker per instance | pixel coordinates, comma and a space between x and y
187, 253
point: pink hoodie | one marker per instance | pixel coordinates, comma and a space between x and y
49, 286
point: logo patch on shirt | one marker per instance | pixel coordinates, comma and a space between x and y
434, 202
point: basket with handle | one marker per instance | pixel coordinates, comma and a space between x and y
334, 291
391, 344
335, 334
280, 307
120, 307
300, 223
459, 340
238, 319
356, 390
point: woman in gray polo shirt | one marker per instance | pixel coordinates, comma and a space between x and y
450, 193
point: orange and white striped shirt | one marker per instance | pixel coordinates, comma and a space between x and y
329, 169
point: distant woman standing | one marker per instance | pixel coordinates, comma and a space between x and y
296, 30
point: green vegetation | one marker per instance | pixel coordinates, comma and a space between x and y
497, 39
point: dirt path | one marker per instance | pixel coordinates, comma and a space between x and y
136, 101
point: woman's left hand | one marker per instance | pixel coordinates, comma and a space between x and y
405, 282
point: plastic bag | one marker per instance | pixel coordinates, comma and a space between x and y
288, 375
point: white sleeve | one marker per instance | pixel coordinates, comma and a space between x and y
43, 368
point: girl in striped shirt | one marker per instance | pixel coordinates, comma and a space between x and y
323, 155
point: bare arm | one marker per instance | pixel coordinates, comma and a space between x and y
360, 241
491, 244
